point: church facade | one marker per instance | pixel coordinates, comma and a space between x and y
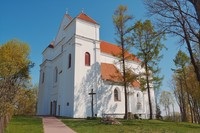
77, 63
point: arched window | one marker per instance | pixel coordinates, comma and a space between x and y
87, 59
56, 74
139, 97
69, 60
117, 96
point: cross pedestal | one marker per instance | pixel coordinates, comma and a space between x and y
92, 94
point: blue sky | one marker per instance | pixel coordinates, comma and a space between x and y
36, 22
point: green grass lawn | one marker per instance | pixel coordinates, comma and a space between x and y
131, 126
28, 124
25, 124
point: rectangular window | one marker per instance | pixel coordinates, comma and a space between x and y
69, 61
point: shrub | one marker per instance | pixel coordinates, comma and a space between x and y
136, 116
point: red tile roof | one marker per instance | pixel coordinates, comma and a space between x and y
85, 17
136, 84
110, 72
115, 50
109, 48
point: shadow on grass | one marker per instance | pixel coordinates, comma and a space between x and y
129, 126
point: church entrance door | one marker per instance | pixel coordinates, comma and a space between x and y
53, 108
51, 105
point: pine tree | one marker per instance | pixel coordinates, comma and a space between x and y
120, 20
147, 41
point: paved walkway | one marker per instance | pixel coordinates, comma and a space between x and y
54, 125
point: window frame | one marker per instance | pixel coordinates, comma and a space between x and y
69, 60
117, 95
87, 59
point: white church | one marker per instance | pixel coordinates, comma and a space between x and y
76, 63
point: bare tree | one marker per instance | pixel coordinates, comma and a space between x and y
166, 100
196, 4
181, 61
179, 18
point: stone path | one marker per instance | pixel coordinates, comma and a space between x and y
54, 125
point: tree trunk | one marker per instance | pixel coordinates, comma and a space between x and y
124, 78
173, 112
194, 63
183, 115
191, 111
149, 93
196, 4
188, 97
194, 111
196, 68
166, 110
